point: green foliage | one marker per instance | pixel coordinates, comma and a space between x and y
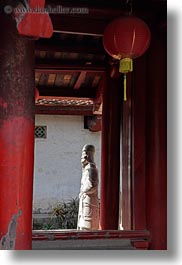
67, 214
64, 216
49, 224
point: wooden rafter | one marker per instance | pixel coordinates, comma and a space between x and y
80, 79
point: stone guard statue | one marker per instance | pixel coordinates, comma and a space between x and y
88, 215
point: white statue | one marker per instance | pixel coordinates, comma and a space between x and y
88, 215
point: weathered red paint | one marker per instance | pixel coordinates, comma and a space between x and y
17, 103
16, 170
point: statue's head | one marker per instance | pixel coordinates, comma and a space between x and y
88, 152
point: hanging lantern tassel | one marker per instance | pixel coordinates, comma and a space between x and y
125, 97
125, 66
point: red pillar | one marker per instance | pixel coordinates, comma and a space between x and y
110, 157
16, 136
156, 152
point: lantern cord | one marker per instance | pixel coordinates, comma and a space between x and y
125, 98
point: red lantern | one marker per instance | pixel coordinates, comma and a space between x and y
125, 39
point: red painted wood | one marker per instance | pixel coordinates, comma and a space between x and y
110, 158
149, 181
17, 90
16, 170
156, 166
139, 144
141, 245
34, 24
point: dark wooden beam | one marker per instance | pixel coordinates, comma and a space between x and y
58, 46
78, 25
65, 92
52, 110
80, 79
96, 19
95, 27
103, 11
60, 68
91, 22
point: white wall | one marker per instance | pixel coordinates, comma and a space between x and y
57, 169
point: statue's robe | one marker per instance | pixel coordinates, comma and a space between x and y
88, 215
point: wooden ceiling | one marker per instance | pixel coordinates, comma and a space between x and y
70, 67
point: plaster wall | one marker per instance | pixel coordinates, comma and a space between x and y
57, 168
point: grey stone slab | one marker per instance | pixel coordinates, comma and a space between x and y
71, 244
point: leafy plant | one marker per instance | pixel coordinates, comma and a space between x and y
67, 214
64, 216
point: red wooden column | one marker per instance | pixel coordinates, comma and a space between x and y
156, 136
110, 157
16, 136
138, 146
